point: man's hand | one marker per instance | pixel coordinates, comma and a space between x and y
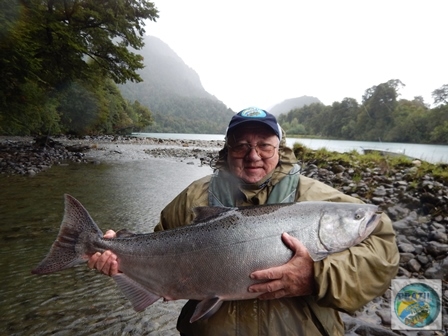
106, 262
295, 278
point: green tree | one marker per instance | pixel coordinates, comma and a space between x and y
375, 117
75, 36
438, 125
341, 121
409, 120
51, 45
441, 95
100, 109
78, 107
294, 128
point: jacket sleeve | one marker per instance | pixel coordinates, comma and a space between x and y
348, 280
180, 211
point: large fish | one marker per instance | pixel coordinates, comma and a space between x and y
211, 259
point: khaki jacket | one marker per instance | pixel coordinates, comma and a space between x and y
344, 281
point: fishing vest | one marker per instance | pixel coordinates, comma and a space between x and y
224, 188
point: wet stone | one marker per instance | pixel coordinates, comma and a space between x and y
414, 265
406, 248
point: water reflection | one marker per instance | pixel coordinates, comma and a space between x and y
79, 301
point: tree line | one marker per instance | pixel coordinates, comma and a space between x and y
61, 60
381, 116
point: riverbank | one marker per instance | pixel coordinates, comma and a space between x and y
26, 156
415, 201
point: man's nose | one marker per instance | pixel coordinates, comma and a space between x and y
252, 154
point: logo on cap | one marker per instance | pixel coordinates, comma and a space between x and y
253, 112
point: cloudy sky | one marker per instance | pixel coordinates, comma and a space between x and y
259, 53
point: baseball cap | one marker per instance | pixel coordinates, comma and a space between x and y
255, 114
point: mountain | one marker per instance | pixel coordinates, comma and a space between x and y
174, 94
293, 103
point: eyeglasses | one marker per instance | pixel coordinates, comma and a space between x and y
264, 150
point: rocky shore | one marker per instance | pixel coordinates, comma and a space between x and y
28, 155
418, 207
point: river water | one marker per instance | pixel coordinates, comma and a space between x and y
80, 301
429, 153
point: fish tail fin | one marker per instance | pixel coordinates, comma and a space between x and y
74, 242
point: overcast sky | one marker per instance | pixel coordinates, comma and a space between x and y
259, 53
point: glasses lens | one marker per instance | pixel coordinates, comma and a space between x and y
265, 151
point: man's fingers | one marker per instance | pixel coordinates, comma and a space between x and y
110, 234
93, 259
272, 273
267, 287
113, 268
105, 263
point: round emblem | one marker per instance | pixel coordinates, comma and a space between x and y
253, 112
417, 305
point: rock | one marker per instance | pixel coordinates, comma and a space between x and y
338, 169
423, 259
397, 211
444, 268
380, 191
439, 236
377, 200
386, 318
406, 257
406, 225
356, 326
404, 272
406, 248
434, 272
436, 249
414, 265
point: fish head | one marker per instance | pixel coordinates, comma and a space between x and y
346, 225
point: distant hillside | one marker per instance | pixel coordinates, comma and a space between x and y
174, 94
293, 103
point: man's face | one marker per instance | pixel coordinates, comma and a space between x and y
250, 166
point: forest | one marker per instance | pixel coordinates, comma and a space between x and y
61, 62
381, 116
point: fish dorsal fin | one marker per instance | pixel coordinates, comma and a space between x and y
205, 213
139, 296
206, 308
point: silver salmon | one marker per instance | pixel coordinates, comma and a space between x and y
211, 259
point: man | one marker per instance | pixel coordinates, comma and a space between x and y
301, 297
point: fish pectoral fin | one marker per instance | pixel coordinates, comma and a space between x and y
139, 296
206, 308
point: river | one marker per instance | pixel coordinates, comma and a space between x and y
429, 153
79, 301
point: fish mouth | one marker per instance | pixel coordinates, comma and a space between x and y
373, 222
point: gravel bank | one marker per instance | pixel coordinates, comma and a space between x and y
28, 156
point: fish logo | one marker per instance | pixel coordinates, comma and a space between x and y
416, 304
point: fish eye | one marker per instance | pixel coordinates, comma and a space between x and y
358, 216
